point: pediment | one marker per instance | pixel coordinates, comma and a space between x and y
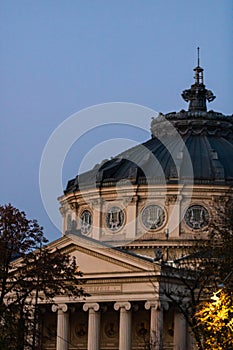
95, 258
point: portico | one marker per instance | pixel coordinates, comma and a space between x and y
124, 310
95, 335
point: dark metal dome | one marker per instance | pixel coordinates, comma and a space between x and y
193, 145
205, 137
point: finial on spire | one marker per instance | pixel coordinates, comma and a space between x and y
198, 70
198, 56
197, 94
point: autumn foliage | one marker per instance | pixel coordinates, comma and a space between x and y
30, 273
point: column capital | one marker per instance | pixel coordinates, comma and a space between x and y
63, 210
122, 304
93, 306
156, 304
59, 307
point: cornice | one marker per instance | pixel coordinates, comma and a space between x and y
193, 123
116, 280
108, 193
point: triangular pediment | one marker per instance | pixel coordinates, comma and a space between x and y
94, 258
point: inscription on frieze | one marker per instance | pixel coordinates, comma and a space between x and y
103, 289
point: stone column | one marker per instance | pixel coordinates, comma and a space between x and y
180, 330
62, 326
156, 323
125, 325
93, 325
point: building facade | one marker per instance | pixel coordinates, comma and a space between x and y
128, 218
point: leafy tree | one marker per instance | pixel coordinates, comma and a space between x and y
206, 265
30, 271
221, 246
184, 286
215, 318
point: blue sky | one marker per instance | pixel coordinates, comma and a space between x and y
58, 57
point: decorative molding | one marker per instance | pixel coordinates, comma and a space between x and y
192, 123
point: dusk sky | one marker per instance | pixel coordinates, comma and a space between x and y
58, 57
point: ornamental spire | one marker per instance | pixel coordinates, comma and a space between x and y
198, 94
198, 70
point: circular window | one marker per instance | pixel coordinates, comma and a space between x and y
153, 217
114, 218
86, 222
196, 217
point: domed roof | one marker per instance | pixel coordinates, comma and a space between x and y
193, 145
